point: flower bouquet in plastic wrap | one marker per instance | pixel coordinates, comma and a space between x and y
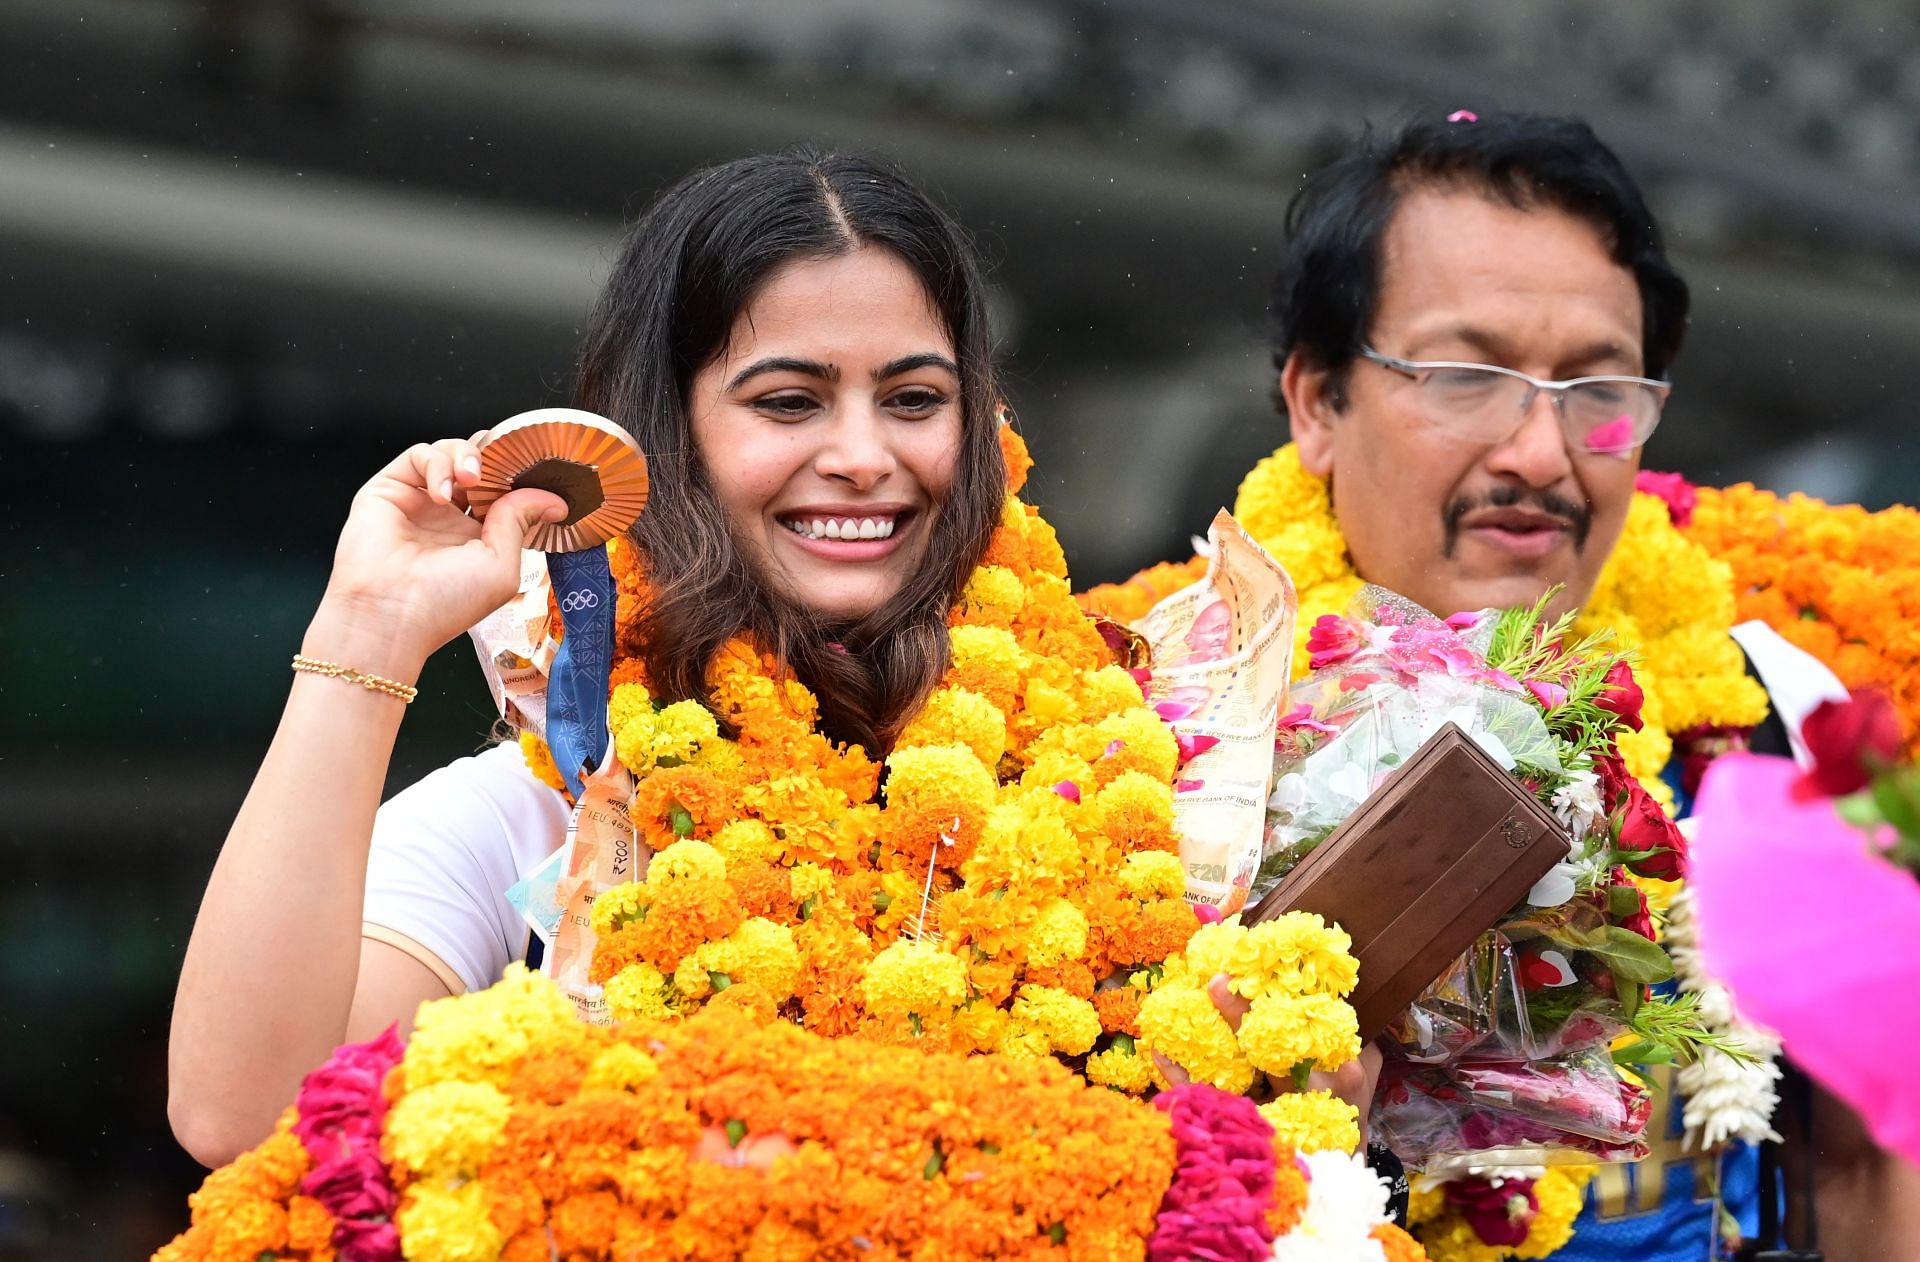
1514, 1054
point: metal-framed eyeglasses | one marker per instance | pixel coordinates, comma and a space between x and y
1485, 403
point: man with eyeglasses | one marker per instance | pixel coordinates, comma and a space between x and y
1475, 324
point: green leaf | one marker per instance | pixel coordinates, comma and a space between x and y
679, 820
1057, 1233
1300, 1071
736, 1131
1630, 996
1123, 1043
913, 1019
990, 1148
1631, 957
720, 981
933, 1165
1858, 809
805, 910
1899, 808
881, 901
1622, 901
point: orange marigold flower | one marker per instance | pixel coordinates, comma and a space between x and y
1119, 1009
685, 801
1398, 1245
1013, 450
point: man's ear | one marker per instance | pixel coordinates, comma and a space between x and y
1311, 407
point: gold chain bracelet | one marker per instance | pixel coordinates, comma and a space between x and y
334, 670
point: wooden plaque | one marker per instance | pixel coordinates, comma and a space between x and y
1427, 864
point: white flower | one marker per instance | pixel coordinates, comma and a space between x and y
1725, 1099
1556, 887
1345, 1202
1577, 804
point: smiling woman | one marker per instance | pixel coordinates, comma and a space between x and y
798, 343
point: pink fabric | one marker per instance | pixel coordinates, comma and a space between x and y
1818, 937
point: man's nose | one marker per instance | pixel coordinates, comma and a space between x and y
1536, 453
858, 449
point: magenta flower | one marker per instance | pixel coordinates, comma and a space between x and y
1216, 1206
1679, 494
1333, 640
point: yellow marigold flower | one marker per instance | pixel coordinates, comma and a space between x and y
1295, 954
1136, 812
1045, 704
1058, 933
993, 596
1181, 1023
1150, 874
810, 879
1135, 740
639, 992
1033, 854
683, 860
1121, 1068
620, 1067
441, 1223
693, 979
1281, 1031
959, 716
1054, 767
723, 758
746, 841
446, 1129
760, 953
1210, 951
619, 906
1069, 1022
680, 730
540, 762
480, 1036
1107, 691
914, 978
1019, 1041
989, 661
1313, 1121
935, 792
629, 702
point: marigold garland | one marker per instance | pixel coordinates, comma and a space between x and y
517, 1132
1551, 1198
1835, 579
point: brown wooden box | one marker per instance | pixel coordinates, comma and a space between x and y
1427, 864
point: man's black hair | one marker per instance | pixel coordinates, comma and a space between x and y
1328, 289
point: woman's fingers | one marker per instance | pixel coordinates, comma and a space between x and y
1231, 1006
511, 520
442, 469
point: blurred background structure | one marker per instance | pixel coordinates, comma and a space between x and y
249, 250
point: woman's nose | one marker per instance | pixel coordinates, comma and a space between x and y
856, 447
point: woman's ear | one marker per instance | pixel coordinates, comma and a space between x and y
1312, 400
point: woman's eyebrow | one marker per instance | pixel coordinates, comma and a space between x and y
784, 363
907, 363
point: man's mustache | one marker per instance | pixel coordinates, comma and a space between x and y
1577, 515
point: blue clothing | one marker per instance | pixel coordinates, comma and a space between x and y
1661, 1209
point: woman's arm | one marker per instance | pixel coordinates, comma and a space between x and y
276, 974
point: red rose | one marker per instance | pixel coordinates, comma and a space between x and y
1500, 1216
1849, 741
1622, 696
1614, 780
1651, 842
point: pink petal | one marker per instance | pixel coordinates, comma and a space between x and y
1615, 438
1068, 790
1463, 116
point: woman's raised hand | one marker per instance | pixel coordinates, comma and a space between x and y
412, 570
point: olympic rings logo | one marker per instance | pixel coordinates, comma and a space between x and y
574, 602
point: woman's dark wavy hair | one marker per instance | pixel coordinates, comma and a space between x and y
687, 269
1328, 288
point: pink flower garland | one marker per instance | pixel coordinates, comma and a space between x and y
1216, 1208
341, 1106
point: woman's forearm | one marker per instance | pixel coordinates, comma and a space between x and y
271, 968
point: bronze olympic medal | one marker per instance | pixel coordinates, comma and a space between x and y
587, 460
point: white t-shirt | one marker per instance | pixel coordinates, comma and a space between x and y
446, 850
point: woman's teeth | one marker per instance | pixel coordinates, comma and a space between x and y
843, 527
